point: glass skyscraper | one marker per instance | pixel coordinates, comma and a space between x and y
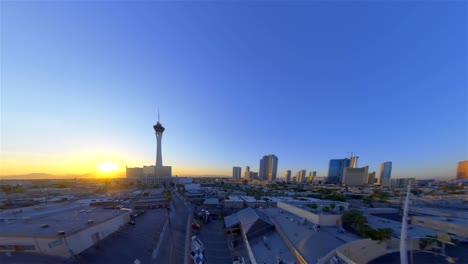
385, 170
335, 170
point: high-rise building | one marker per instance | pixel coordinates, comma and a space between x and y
371, 178
301, 176
462, 170
287, 176
236, 172
353, 163
335, 170
355, 176
247, 173
311, 176
385, 171
268, 167
253, 175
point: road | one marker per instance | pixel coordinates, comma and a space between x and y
172, 248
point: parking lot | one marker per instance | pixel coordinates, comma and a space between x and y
215, 242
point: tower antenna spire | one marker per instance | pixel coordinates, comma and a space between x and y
158, 114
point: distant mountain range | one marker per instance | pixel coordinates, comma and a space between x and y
38, 176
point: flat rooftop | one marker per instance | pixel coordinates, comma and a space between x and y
310, 243
233, 198
248, 199
302, 204
271, 250
69, 220
211, 201
413, 231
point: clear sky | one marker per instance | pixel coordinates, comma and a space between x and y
81, 83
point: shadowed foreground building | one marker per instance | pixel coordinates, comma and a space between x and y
60, 231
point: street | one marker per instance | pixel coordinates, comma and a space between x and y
172, 248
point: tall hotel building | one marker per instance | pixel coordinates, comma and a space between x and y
247, 173
268, 168
335, 170
462, 171
385, 171
287, 176
236, 172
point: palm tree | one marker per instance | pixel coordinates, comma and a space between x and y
332, 206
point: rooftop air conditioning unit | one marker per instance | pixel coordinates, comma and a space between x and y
90, 222
61, 232
44, 226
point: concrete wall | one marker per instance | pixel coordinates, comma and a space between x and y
233, 204
321, 219
79, 241
41, 244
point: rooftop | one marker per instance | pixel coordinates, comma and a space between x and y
268, 250
413, 231
68, 219
310, 243
211, 201
233, 198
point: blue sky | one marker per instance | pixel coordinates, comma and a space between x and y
81, 83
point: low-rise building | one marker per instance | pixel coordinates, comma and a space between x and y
233, 202
64, 232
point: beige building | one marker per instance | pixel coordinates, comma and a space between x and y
371, 178
455, 226
355, 176
462, 171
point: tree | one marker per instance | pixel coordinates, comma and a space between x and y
326, 209
312, 205
367, 200
341, 208
381, 234
167, 195
353, 219
332, 206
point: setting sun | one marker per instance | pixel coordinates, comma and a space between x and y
108, 166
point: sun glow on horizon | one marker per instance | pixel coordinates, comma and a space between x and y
108, 166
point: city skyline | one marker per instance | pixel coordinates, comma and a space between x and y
310, 82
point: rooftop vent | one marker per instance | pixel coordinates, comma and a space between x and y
61, 232
44, 226
90, 222
27, 219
